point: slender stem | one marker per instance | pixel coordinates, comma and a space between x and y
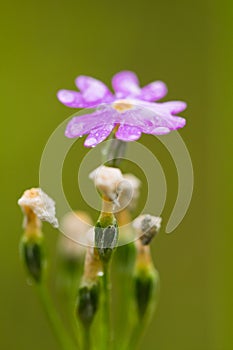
54, 319
114, 151
75, 326
86, 339
139, 329
106, 309
136, 335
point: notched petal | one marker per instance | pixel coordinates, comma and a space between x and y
71, 99
175, 106
93, 90
126, 83
153, 91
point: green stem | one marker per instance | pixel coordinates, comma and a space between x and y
106, 309
75, 326
113, 151
136, 336
54, 319
86, 339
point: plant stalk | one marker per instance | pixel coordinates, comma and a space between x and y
58, 328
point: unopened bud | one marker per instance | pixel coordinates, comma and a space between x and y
106, 239
38, 202
146, 281
32, 254
147, 227
37, 206
106, 180
146, 288
88, 301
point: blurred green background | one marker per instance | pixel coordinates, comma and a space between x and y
187, 44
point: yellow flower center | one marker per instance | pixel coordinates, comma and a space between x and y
122, 106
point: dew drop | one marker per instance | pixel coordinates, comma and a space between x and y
89, 142
161, 130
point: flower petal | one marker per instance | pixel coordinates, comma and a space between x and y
98, 135
153, 118
153, 91
165, 125
128, 133
79, 126
71, 99
126, 84
93, 90
175, 106
161, 130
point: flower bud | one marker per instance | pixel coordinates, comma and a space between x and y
147, 227
146, 281
106, 239
88, 301
40, 204
106, 180
32, 253
37, 206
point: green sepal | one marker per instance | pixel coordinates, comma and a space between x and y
88, 302
106, 239
146, 291
32, 253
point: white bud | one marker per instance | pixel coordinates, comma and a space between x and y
107, 179
41, 204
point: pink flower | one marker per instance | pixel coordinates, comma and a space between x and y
131, 111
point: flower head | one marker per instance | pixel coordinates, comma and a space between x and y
131, 110
38, 202
107, 181
147, 226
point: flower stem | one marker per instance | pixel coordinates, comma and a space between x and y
86, 339
106, 309
136, 336
54, 319
114, 151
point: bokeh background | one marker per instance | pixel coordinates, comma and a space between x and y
187, 44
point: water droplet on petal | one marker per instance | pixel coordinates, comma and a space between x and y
90, 142
161, 130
